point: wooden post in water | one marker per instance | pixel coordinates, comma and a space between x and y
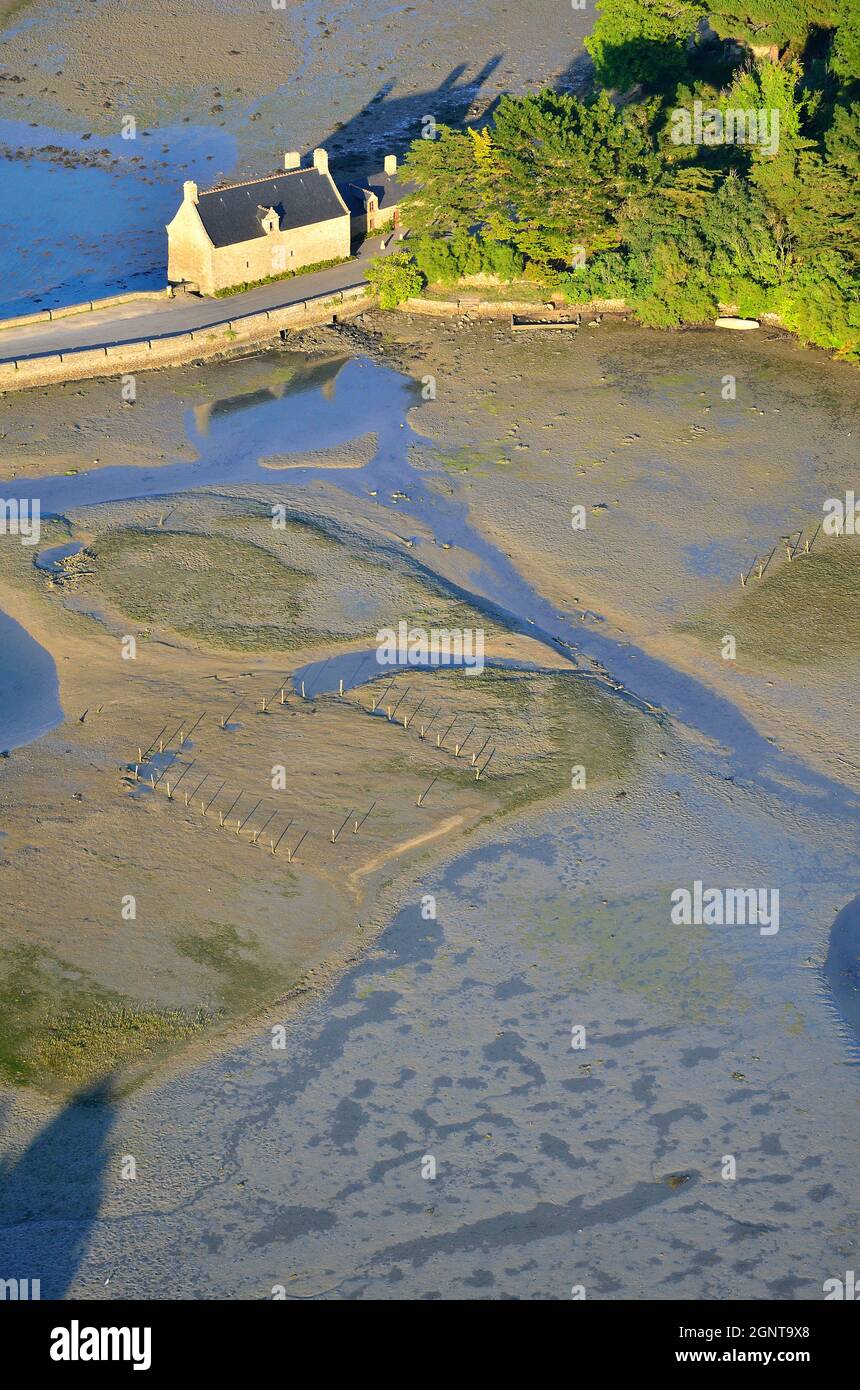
225, 720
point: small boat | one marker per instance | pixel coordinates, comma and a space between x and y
731, 322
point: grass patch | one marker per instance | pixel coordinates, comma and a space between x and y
58, 1030
222, 592
803, 613
285, 275
242, 980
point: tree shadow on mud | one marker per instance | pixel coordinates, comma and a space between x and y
51, 1194
388, 124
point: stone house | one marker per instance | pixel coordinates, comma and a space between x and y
242, 232
374, 199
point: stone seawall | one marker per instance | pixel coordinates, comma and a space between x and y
173, 350
89, 306
474, 307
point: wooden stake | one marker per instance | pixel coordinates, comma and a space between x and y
476, 756
151, 746
426, 791
459, 746
275, 843
334, 834
232, 804
479, 770
425, 727
257, 833
377, 699
291, 853
402, 698
440, 738
360, 823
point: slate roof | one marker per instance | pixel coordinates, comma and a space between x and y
301, 197
389, 189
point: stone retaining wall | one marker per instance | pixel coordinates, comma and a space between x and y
88, 307
178, 348
473, 307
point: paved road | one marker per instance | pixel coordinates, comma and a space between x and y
142, 319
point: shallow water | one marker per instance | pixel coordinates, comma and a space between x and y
302, 1168
348, 399
49, 560
113, 218
29, 688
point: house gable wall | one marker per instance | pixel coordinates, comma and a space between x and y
189, 250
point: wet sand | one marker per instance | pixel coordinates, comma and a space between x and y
452, 1036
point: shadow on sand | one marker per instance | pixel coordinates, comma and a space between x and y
51, 1194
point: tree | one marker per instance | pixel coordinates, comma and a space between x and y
760, 23
642, 40
562, 170
396, 277
449, 192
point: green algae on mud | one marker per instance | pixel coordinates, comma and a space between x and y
225, 593
585, 727
60, 1029
215, 570
803, 613
630, 944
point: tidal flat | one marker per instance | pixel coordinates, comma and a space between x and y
521, 906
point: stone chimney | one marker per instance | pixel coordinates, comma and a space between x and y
189, 191
292, 160
391, 164
321, 161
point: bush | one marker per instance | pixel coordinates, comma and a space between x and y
395, 277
